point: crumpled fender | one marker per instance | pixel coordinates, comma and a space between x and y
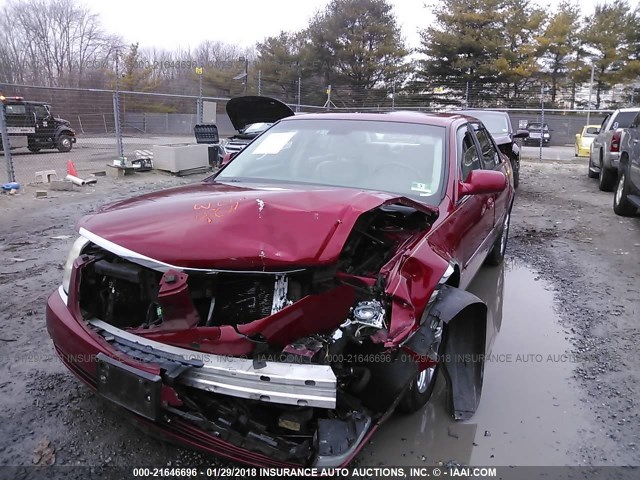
462, 360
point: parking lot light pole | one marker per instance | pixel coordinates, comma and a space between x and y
199, 72
541, 119
116, 111
590, 92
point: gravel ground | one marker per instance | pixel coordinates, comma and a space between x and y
562, 227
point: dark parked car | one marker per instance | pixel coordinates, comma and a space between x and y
31, 125
500, 126
626, 200
280, 310
251, 116
537, 131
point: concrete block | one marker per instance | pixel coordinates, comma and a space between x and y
119, 172
41, 193
46, 176
180, 157
61, 185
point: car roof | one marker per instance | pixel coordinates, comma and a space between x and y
629, 109
434, 119
472, 112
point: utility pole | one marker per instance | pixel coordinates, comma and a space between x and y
590, 92
199, 72
466, 96
299, 94
393, 96
116, 111
541, 118
328, 103
246, 74
260, 82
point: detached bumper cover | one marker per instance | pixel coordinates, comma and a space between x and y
283, 383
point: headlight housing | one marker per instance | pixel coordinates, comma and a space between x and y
74, 253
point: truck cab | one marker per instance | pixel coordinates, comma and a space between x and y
31, 125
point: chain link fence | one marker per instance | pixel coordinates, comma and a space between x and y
108, 124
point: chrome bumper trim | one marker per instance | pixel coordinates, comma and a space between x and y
282, 383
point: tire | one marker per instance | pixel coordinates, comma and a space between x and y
64, 144
607, 178
33, 149
621, 205
515, 166
496, 255
590, 172
421, 387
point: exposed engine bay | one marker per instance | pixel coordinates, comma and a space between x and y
334, 315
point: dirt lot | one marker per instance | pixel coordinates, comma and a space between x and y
568, 296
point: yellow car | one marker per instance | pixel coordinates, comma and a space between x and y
585, 138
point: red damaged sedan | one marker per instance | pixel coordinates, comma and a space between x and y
277, 312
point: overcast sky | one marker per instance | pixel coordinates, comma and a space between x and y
186, 23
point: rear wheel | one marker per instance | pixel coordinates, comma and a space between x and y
64, 143
621, 205
496, 255
590, 171
607, 177
515, 166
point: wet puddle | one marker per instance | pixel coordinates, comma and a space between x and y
529, 411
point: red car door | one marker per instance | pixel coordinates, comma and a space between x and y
473, 215
493, 160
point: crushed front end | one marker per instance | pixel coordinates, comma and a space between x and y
294, 366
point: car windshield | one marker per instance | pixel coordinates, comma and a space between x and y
401, 158
590, 131
496, 123
623, 120
537, 126
256, 127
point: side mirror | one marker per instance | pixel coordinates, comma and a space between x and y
521, 133
483, 181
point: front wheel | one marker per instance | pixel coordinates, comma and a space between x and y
421, 387
621, 204
33, 149
64, 143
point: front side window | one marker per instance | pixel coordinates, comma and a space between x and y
489, 154
41, 111
470, 159
401, 158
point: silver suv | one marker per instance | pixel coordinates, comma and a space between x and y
604, 156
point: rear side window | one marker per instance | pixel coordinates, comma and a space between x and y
623, 120
16, 110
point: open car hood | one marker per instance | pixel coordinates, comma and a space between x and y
244, 111
221, 226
